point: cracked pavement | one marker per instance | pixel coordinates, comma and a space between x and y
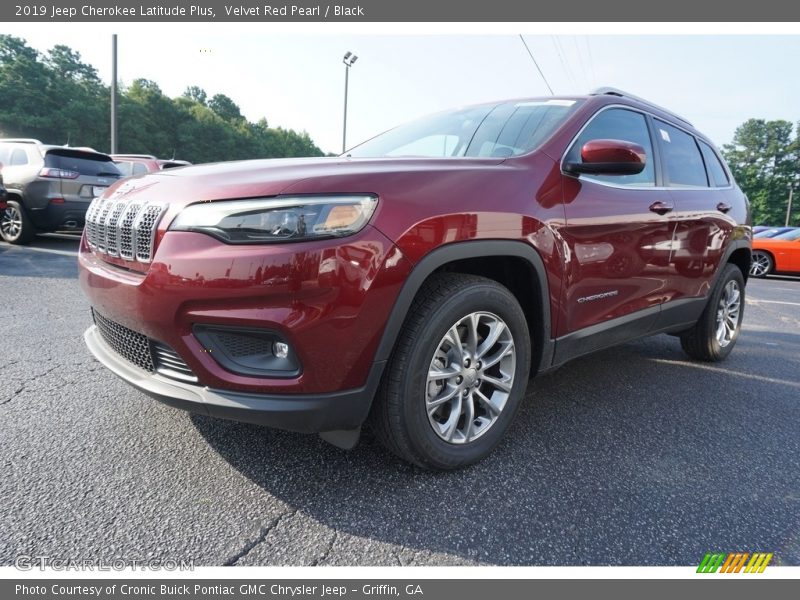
634, 455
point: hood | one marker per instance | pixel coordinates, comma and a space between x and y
271, 177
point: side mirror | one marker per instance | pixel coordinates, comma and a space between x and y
609, 157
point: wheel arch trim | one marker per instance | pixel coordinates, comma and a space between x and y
456, 251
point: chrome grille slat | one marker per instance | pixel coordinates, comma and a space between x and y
144, 227
91, 235
101, 225
123, 229
112, 236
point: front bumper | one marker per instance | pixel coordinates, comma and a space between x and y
305, 413
329, 300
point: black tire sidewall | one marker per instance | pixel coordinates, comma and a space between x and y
481, 297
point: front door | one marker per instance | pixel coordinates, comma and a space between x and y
618, 237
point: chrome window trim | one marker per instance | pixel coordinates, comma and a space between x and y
589, 179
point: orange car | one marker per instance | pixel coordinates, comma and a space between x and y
780, 254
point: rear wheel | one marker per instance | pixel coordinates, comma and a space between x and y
15, 226
762, 264
457, 375
716, 332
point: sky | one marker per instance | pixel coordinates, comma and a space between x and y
296, 80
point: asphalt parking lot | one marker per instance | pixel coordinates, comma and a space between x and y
631, 456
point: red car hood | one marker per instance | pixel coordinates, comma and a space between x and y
254, 178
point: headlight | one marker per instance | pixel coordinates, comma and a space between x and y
280, 219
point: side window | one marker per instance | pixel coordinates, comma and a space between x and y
125, 167
18, 157
139, 169
719, 178
684, 165
619, 124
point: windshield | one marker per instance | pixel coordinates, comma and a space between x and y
496, 131
792, 235
772, 232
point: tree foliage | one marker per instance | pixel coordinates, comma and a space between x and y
765, 159
58, 98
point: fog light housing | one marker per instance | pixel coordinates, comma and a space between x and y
248, 351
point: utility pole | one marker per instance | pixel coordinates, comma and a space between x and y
789, 206
113, 93
348, 61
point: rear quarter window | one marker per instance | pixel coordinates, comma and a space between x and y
18, 158
716, 172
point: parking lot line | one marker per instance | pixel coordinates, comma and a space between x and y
46, 251
757, 301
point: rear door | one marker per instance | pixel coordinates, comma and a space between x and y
702, 205
83, 175
618, 232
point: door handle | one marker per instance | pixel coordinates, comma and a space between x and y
661, 208
723, 207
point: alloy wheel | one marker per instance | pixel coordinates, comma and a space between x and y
470, 377
11, 222
728, 313
760, 265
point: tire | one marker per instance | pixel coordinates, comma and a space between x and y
443, 435
15, 226
716, 332
762, 264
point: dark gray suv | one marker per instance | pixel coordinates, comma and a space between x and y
49, 187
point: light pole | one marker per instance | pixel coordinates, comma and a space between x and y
114, 139
348, 60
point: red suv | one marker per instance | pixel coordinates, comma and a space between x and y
419, 280
139, 164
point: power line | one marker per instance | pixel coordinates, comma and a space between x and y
591, 60
567, 69
538, 68
579, 54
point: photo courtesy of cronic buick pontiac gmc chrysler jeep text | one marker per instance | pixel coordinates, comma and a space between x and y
418, 281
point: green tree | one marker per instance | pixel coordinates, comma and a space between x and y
27, 103
56, 97
225, 108
196, 94
82, 117
765, 160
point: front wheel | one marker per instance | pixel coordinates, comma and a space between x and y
715, 333
761, 265
457, 374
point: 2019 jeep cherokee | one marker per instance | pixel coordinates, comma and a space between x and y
419, 280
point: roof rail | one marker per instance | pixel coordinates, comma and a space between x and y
21, 141
150, 156
610, 91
